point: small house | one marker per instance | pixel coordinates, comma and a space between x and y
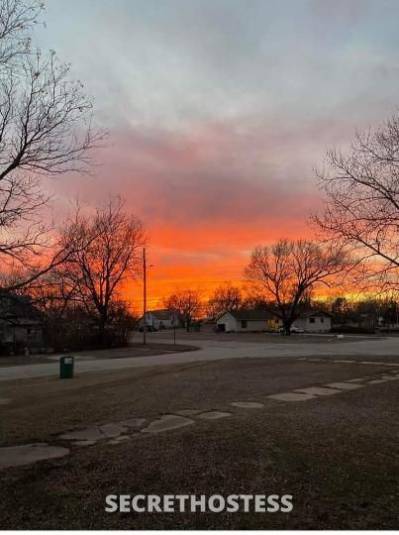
21, 328
159, 319
247, 321
313, 322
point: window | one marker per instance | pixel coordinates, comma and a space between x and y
312, 320
244, 324
321, 320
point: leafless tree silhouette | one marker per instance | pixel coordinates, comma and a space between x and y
288, 271
45, 130
16, 20
362, 198
225, 298
104, 253
187, 304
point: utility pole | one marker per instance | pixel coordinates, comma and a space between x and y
144, 297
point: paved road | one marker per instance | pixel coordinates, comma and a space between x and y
216, 350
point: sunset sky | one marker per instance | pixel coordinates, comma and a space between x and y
218, 111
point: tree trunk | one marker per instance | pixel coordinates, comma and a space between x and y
101, 330
287, 328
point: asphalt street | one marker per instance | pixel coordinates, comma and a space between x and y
214, 350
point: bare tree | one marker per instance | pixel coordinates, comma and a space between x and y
288, 271
45, 130
105, 254
362, 197
187, 304
225, 298
16, 20
53, 293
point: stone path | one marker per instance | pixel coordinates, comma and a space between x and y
167, 423
247, 405
213, 415
291, 396
318, 391
329, 389
114, 433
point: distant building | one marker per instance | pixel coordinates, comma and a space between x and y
21, 327
263, 320
313, 322
247, 321
159, 319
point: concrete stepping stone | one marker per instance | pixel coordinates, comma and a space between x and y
112, 430
247, 404
376, 363
318, 391
377, 381
344, 386
357, 380
118, 440
345, 361
214, 415
132, 422
291, 396
90, 433
29, 454
390, 377
167, 423
83, 443
5, 401
188, 412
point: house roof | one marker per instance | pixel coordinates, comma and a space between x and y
313, 313
162, 314
250, 315
18, 309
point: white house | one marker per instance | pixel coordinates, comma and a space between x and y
313, 322
160, 319
262, 320
245, 321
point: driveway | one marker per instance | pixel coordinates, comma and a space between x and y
213, 350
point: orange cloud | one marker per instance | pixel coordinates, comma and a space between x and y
203, 257
206, 197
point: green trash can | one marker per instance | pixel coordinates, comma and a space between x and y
66, 367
